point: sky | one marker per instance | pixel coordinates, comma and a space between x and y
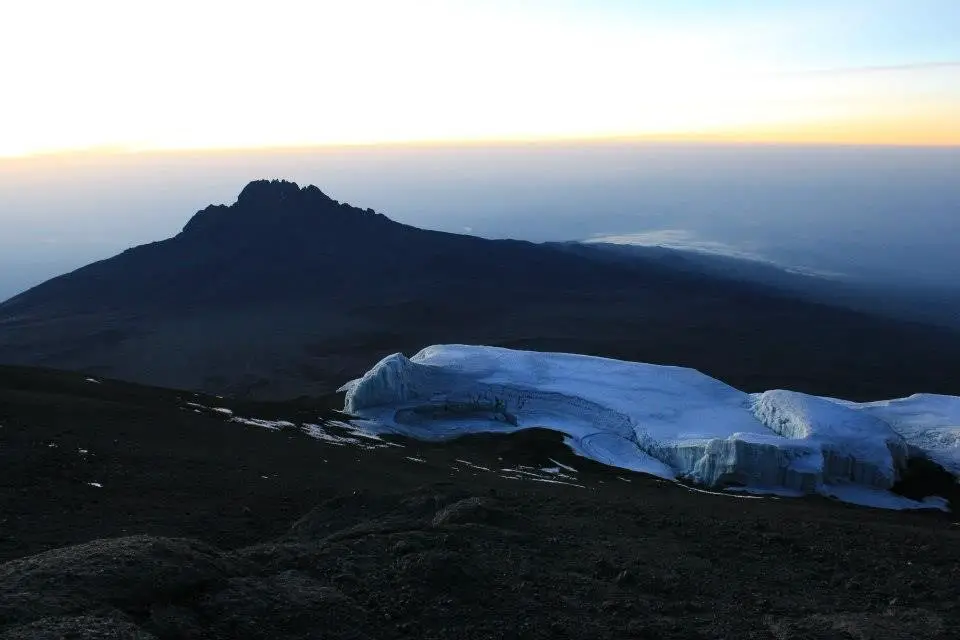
107, 75
821, 134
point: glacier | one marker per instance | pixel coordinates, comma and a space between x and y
671, 422
929, 423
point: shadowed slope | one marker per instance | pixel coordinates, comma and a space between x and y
289, 292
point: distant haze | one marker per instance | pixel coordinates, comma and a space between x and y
885, 214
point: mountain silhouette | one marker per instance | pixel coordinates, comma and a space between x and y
289, 292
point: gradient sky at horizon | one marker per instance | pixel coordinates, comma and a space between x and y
112, 74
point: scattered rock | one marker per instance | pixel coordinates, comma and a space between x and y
625, 577
894, 624
289, 604
473, 510
123, 573
77, 628
172, 621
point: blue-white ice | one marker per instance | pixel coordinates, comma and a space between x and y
671, 422
928, 422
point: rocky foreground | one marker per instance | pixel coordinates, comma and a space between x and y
134, 512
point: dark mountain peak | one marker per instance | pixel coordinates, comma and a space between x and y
272, 192
277, 206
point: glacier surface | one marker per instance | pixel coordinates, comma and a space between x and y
928, 422
672, 422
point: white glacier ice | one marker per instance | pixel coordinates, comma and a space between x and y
855, 445
928, 422
671, 422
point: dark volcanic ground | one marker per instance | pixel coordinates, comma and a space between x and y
207, 528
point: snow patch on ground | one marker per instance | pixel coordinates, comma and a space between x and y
563, 466
550, 481
332, 432
272, 425
872, 497
717, 493
200, 408
477, 467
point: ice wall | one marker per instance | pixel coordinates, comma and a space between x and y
856, 446
929, 422
668, 421
393, 380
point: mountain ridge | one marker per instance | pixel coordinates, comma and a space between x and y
289, 292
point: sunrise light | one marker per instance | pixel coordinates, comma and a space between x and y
115, 75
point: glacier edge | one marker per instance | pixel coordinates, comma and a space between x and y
671, 422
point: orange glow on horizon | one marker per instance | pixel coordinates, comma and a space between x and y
942, 130
943, 134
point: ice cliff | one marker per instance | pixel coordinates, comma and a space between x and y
667, 421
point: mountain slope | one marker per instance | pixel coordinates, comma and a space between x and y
129, 512
289, 292
940, 307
